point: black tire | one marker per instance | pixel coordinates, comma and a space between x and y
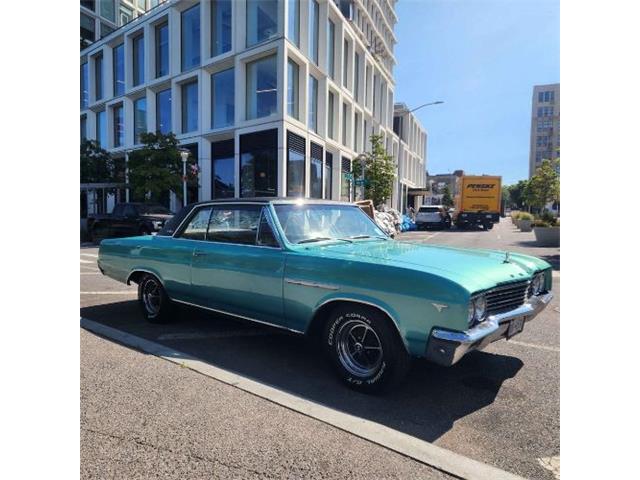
488, 226
153, 300
354, 355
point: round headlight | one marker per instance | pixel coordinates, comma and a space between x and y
538, 284
472, 313
480, 307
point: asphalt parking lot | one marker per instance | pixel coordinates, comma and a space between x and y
499, 406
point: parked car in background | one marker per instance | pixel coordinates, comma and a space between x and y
127, 220
432, 216
326, 270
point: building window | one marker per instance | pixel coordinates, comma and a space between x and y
101, 128
540, 97
345, 64
259, 164
189, 107
118, 126
87, 28
296, 150
108, 10
331, 115
293, 72
163, 111
346, 194
84, 86
344, 123
367, 86
356, 79
105, 30
162, 50
314, 25
139, 118
262, 20
315, 175
118, 70
328, 175
83, 127
261, 88
313, 103
190, 37
138, 60
223, 169
331, 47
220, 27
356, 132
90, 4
293, 21
98, 76
126, 15
223, 98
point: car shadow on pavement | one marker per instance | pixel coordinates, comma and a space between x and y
425, 406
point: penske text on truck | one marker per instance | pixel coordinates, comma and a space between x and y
477, 201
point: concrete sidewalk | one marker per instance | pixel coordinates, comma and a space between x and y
143, 417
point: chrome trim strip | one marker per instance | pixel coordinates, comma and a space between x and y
311, 284
135, 270
493, 322
238, 316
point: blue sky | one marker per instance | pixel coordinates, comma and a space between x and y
482, 58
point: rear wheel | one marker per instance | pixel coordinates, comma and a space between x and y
154, 302
365, 349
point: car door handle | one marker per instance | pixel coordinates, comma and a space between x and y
198, 253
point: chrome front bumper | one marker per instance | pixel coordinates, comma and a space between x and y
446, 347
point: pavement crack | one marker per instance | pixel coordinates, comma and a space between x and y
187, 454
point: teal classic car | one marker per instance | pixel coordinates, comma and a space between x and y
325, 269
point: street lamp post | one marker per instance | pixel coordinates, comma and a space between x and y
438, 102
361, 158
184, 154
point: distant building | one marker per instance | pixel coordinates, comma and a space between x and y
411, 158
437, 183
98, 18
545, 125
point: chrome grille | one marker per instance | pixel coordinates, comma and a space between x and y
507, 297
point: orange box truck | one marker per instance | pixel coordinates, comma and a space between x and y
477, 201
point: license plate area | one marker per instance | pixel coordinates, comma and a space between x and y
515, 327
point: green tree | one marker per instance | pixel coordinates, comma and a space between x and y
156, 168
96, 164
516, 193
447, 199
544, 186
379, 171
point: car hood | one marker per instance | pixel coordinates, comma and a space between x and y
473, 269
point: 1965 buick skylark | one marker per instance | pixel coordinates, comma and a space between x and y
326, 269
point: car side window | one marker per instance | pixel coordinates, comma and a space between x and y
234, 224
266, 237
196, 229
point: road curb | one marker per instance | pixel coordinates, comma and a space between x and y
424, 452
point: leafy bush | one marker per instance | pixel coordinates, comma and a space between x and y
525, 216
540, 223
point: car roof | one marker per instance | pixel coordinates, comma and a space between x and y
274, 200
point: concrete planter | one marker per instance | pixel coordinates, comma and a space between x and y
547, 236
524, 225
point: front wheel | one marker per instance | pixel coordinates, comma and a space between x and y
365, 349
154, 302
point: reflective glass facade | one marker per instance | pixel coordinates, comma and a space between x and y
162, 50
293, 21
139, 118
314, 19
312, 109
223, 99
292, 88
221, 27
261, 88
259, 164
84, 86
118, 70
138, 60
163, 111
190, 37
189, 107
223, 169
262, 20
118, 126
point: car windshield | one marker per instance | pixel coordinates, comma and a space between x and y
429, 209
308, 223
153, 210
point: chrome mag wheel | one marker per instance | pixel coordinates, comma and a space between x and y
359, 348
151, 297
